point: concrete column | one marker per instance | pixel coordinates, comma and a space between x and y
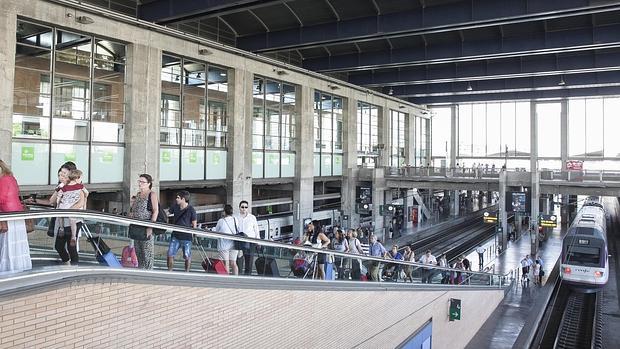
384, 122
378, 198
349, 162
535, 190
410, 140
8, 24
564, 209
239, 157
142, 119
454, 203
454, 141
564, 132
303, 186
572, 207
387, 199
503, 215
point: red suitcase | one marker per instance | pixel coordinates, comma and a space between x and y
212, 265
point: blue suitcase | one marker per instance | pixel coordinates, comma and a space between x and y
329, 271
104, 255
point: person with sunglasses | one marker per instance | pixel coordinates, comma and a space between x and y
249, 226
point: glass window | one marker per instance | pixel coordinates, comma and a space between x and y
509, 129
441, 131
273, 127
548, 121
397, 138
611, 126
576, 127
217, 95
368, 133
465, 126
86, 77
170, 120
594, 127
479, 121
522, 127
494, 128
194, 104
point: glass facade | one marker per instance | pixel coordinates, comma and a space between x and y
398, 124
193, 120
421, 141
367, 134
69, 105
273, 128
327, 134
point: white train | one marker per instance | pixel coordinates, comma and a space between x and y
584, 265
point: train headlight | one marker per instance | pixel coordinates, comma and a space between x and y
566, 270
598, 274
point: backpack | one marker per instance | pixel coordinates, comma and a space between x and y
161, 215
129, 258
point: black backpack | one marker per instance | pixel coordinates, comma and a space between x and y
161, 215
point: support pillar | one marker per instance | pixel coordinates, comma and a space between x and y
535, 190
142, 125
349, 164
564, 132
8, 25
564, 209
503, 215
239, 159
378, 198
303, 186
383, 124
455, 204
453, 137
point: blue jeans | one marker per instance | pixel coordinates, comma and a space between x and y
175, 244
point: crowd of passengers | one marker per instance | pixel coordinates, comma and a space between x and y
70, 193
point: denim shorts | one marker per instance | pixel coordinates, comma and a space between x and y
175, 244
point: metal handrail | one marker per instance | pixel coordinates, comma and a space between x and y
122, 220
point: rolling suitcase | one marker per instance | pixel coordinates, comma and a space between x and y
216, 266
266, 266
104, 255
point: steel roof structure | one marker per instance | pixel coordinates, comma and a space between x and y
424, 51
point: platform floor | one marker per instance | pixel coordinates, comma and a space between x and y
504, 326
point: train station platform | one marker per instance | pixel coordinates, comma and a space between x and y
522, 304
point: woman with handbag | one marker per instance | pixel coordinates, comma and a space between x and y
143, 236
14, 249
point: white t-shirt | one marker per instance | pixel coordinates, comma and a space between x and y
480, 250
225, 225
248, 225
428, 259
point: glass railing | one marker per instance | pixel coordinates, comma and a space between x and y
265, 258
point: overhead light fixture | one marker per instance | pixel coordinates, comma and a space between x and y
204, 51
222, 74
469, 88
279, 71
333, 87
84, 20
402, 106
391, 91
199, 76
562, 82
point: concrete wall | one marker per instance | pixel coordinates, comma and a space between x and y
126, 311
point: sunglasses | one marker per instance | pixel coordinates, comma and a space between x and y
243, 207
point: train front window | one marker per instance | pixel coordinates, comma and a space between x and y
587, 256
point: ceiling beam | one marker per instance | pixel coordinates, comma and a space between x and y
511, 96
552, 64
437, 19
169, 11
573, 40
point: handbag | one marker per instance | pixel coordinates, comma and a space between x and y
137, 232
50, 228
29, 222
161, 215
239, 245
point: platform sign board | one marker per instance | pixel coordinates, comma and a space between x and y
490, 217
548, 220
387, 210
517, 201
455, 309
574, 165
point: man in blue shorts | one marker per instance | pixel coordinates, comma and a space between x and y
184, 215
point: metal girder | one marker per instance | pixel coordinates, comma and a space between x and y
168, 11
511, 96
553, 64
573, 40
429, 20
537, 83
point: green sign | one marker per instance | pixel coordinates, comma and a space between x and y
193, 157
455, 309
70, 156
27, 153
216, 159
165, 156
107, 157
17, 129
337, 160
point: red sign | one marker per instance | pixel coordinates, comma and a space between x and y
574, 165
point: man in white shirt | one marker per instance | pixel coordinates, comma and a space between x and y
249, 226
428, 259
480, 250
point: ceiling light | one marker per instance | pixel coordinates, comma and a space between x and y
222, 74
391, 91
402, 106
333, 87
279, 71
562, 82
204, 51
469, 88
84, 20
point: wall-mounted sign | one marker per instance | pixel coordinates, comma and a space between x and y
548, 220
455, 309
490, 217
